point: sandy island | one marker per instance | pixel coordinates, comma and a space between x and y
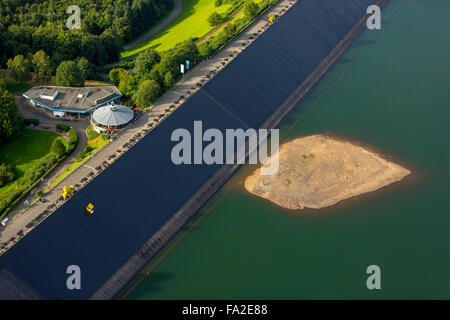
318, 171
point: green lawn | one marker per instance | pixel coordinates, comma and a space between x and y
27, 149
24, 153
190, 23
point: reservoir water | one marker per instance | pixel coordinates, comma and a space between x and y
395, 99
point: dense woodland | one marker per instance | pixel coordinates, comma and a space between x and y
27, 26
39, 45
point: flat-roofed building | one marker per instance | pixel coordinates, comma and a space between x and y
62, 101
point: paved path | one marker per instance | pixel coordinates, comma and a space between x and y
177, 6
165, 105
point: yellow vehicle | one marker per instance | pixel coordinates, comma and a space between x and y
89, 209
271, 18
67, 192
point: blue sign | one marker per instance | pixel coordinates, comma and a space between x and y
187, 64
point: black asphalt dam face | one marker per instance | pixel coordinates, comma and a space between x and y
141, 191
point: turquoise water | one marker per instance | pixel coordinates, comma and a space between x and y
394, 99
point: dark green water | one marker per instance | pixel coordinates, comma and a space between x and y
395, 99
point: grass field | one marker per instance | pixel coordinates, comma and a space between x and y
27, 150
191, 23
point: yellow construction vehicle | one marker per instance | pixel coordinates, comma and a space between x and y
89, 209
67, 192
271, 18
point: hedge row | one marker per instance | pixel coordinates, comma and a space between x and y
28, 181
86, 151
62, 127
73, 141
25, 183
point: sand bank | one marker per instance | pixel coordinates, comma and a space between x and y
318, 171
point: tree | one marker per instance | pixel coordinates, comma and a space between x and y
206, 48
21, 33
147, 93
20, 68
86, 68
229, 30
168, 79
186, 50
121, 28
127, 84
2, 80
45, 36
30, 26
68, 45
168, 63
41, 66
116, 74
214, 19
156, 75
6, 174
145, 62
10, 119
69, 74
251, 9
171, 59
218, 3
93, 49
112, 43
58, 148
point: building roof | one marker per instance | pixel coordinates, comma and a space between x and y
112, 115
70, 99
49, 91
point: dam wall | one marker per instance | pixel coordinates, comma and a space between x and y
143, 199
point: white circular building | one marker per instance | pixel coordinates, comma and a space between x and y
115, 116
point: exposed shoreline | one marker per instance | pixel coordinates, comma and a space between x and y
318, 171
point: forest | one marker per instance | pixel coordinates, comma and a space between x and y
36, 43
27, 26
